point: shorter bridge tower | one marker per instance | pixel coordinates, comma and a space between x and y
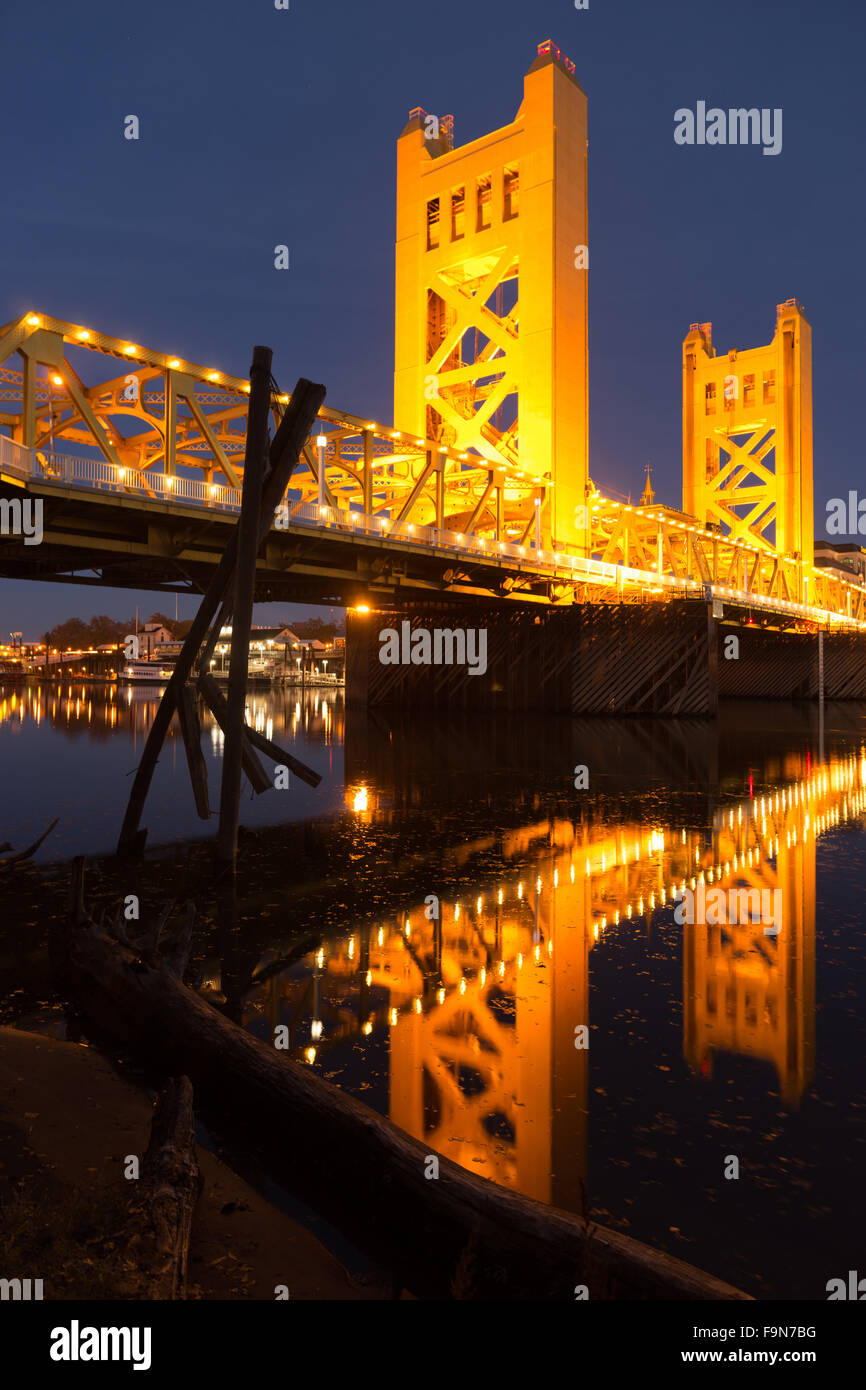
747, 436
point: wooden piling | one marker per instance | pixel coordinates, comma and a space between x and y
293, 431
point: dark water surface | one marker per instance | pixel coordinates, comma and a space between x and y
474, 910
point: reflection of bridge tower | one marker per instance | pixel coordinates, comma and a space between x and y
489, 1074
507, 210
747, 436
748, 992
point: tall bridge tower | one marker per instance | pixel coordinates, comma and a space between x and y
491, 296
747, 436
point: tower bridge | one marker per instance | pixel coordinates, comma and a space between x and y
480, 492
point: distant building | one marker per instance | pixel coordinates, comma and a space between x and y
150, 636
844, 559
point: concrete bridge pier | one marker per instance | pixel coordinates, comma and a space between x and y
650, 659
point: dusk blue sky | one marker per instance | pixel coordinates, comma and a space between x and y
261, 126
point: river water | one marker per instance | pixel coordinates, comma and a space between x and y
498, 966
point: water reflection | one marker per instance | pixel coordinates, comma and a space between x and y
462, 1011
101, 709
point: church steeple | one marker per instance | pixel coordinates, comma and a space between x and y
647, 496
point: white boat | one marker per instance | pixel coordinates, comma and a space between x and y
146, 672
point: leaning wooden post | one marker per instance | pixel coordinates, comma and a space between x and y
298, 420
242, 608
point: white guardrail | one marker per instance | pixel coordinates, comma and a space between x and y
96, 475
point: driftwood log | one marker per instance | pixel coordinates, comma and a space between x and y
169, 1190
170, 1183
457, 1235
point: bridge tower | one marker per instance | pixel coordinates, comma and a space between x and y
747, 436
491, 296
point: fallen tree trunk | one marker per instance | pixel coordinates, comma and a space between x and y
170, 1186
455, 1235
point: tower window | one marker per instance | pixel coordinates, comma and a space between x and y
710, 398
484, 203
458, 214
432, 224
511, 194
749, 389
770, 385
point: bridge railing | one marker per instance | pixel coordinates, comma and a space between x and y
102, 476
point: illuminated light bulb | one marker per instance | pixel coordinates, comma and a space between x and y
213, 376
173, 364
121, 472
129, 350
33, 320
58, 380
310, 1055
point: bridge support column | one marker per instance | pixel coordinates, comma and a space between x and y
586, 659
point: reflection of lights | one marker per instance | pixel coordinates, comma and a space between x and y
367, 1028
310, 1055
316, 1028
462, 986
380, 936
360, 802
351, 947
440, 995
368, 978
520, 891
393, 1017
320, 958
